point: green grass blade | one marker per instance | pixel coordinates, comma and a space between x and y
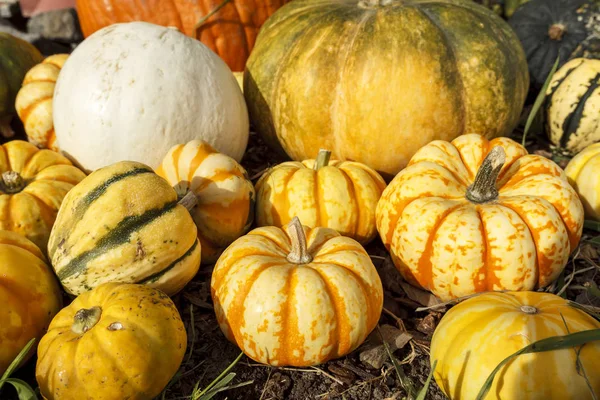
425, 388
16, 362
217, 387
404, 381
539, 101
221, 376
24, 391
584, 309
591, 224
548, 344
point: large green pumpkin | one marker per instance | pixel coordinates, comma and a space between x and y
16, 58
376, 81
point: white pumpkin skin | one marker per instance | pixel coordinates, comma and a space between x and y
133, 90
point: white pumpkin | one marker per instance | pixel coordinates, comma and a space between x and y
133, 90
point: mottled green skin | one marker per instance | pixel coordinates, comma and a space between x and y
16, 58
374, 83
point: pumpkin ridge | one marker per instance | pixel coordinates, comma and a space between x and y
485, 252
452, 51
335, 336
364, 286
355, 224
24, 113
571, 122
156, 276
288, 288
46, 211
120, 234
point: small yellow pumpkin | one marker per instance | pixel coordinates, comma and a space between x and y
33, 183
123, 223
474, 215
29, 295
34, 101
477, 334
224, 194
583, 173
296, 296
118, 341
337, 195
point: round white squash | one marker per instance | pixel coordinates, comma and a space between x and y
131, 91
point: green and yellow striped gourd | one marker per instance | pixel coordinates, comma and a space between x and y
123, 223
573, 106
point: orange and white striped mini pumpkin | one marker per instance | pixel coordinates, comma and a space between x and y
225, 196
474, 215
34, 101
296, 296
340, 195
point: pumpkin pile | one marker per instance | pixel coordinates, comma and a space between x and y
131, 183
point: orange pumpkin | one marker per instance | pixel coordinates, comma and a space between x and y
474, 215
296, 296
230, 32
29, 295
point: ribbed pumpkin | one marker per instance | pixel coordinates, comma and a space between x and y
296, 296
34, 101
477, 334
16, 58
118, 341
582, 172
230, 32
475, 215
373, 81
123, 223
549, 29
33, 183
573, 105
225, 195
337, 195
29, 294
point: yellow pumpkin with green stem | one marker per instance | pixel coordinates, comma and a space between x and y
474, 215
123, 223
33, 184
296, 296
479, 333
29, 294
224, 207
118, 341
322, 193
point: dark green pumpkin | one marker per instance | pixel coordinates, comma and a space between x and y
16, 58
374, 81
551, 28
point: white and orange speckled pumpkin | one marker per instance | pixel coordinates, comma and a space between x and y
225, 195
474, 215
337, 195
296, 296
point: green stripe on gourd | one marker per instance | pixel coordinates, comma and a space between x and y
116, 237
573, 120
86, 201
155, 277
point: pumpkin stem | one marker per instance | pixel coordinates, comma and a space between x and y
189, 201
529, 310
483, 188
299, 253
557, 31
210, 14
322, 159
12, 182
85, 319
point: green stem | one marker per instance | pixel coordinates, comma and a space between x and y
299, 253
484, 189
322, 159
210, 14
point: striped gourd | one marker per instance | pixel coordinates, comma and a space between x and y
582, 172
296, 296
340, 195
34, 101
573, 111
123, 223
225, 195
477, 334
